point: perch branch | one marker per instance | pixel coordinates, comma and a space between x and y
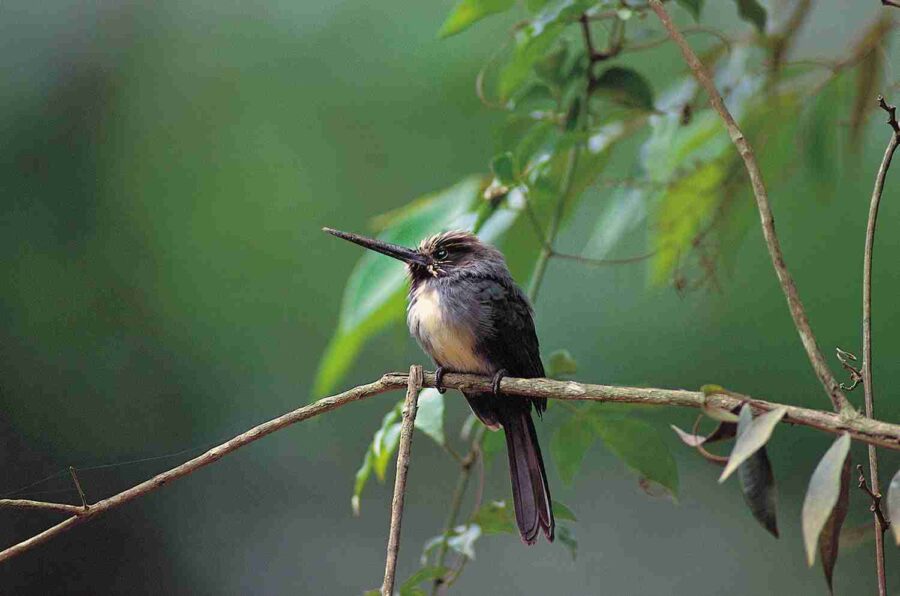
798, 312
410, 407
879, 520
860, 428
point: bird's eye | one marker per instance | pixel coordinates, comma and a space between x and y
440, 254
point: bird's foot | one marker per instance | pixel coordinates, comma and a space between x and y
439, 379
495, 382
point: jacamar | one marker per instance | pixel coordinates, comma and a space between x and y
469, 315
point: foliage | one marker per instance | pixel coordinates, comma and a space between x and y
565, 115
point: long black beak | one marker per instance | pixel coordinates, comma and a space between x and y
386, 248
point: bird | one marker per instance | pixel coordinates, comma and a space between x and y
468, 314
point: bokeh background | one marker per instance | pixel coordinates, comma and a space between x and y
165, 169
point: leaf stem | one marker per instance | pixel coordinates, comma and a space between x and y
880, 526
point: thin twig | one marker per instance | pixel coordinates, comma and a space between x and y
795, 305
410, 407
602, 262
875, 496
84, 504
320, 407
872, 432
880, 526
462, 482
42, 505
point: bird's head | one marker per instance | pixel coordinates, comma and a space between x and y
437, 256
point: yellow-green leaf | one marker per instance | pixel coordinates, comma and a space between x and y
468, 12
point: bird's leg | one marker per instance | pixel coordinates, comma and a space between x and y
439, 379
495, 383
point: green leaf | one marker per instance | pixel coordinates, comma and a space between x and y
694, 7
758, 488
362, 476
752, 12
640, 447
567, 539
495, 518
893, 506
625, 86
374, 296
534, 41
504, 168
429, 573
752, 434
468, 12
561, 511
823, 494
561, 363
378, 454
683, 209
385, 443
625, 210
570, 443
430, 415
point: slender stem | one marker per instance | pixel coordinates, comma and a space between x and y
540, 267
867, 336
462, 482
767, 220
410, 407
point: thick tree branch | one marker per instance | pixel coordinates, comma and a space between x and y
798, 312
410, 407
873, 432
879, 521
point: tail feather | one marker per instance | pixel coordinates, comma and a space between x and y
531, 493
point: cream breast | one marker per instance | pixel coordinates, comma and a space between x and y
451, 345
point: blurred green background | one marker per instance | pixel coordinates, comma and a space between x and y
165, 171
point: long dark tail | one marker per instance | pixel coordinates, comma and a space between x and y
531, 493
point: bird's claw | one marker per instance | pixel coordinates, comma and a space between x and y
495, 382
439, 379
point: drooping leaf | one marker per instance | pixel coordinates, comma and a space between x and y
694, 7
752, 12
374, 296
567, 539
758, 488
411, 587
893, 506
823, 494
560, 363
683, 209
640, 447
430, 415
625, 86
495, 518
752, 434
468, 12
377, 455
829, 539
821, 140
562, 512
570, 442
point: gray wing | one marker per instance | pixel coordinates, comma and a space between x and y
509, 340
